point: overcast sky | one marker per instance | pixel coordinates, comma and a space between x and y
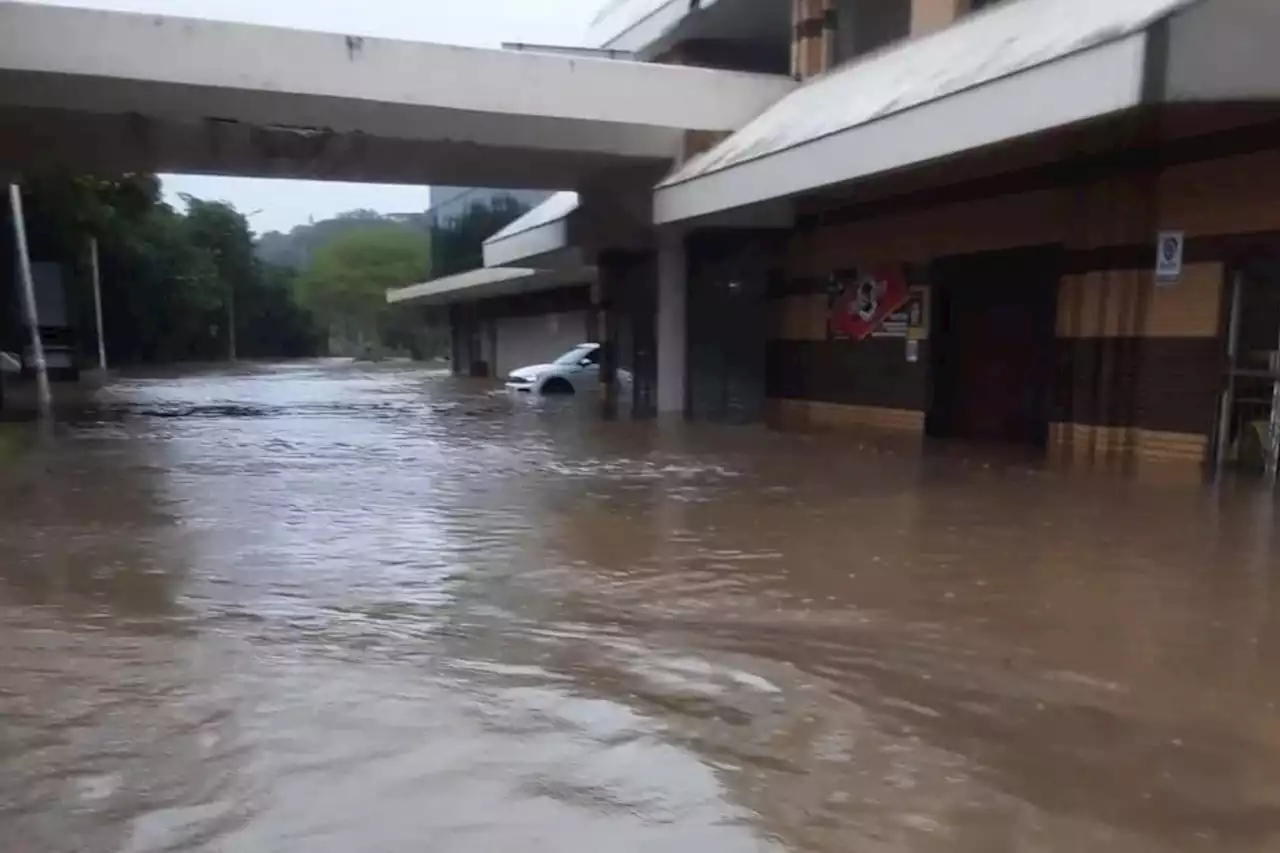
480, 23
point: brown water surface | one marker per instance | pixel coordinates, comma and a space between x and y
325, 608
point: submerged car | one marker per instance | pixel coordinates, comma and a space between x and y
575, 372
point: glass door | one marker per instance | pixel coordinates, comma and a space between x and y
1248, 434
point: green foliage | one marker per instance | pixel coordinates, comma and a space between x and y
296, 248
167, 277
346, 281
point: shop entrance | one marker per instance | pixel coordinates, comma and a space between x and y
1248, 431
727, 326
992, 346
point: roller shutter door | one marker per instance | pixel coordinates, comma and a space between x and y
538, 338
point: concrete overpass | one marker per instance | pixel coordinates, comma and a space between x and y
112, 91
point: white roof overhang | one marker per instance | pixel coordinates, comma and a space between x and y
1014, 70
487, 282
633, 24
542, 232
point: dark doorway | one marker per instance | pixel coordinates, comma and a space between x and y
992, 346
727, 325
1250, 381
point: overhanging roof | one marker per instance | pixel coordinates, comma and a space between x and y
1015, 69
488, 282
633, 24
648, 28
540, 232
763, 23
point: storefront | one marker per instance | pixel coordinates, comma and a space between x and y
503, 318
1049, 324
1020, 180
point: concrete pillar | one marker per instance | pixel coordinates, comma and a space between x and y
458, 355
605, 312
672, 303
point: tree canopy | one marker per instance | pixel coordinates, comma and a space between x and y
345, 284
167, 276
172, 280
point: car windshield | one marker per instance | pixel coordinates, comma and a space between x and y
574, 356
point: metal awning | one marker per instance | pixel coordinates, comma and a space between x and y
1016, 69
488, 282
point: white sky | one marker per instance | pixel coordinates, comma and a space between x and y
479, 23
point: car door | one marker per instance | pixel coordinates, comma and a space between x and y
587, 376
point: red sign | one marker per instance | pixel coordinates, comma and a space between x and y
859, 306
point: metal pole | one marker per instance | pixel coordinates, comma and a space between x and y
231, 320
97, 303
28, 290
1229, 393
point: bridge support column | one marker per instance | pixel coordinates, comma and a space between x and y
673, 297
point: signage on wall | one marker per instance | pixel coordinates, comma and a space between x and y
860, 306
913, 317
1169, 251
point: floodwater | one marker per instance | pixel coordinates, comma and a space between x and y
325, 608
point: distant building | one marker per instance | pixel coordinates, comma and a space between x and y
448, 203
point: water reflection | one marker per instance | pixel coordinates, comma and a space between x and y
320, 607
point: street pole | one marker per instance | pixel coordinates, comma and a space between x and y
231, 304
231, 320
44, 395
97, 303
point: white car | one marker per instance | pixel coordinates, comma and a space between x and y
575, 372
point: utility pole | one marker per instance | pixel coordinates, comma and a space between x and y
28, 291
97, 303
231, 303
231, 320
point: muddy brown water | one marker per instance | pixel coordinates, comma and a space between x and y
330, 608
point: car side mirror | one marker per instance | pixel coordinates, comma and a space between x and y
586, 362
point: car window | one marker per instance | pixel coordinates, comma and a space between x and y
577, 354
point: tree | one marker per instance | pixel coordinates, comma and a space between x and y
223, 232
166, 277
297, 248
346, 282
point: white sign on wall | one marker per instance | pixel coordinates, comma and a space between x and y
1169, 249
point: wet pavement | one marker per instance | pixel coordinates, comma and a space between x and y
331, 608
